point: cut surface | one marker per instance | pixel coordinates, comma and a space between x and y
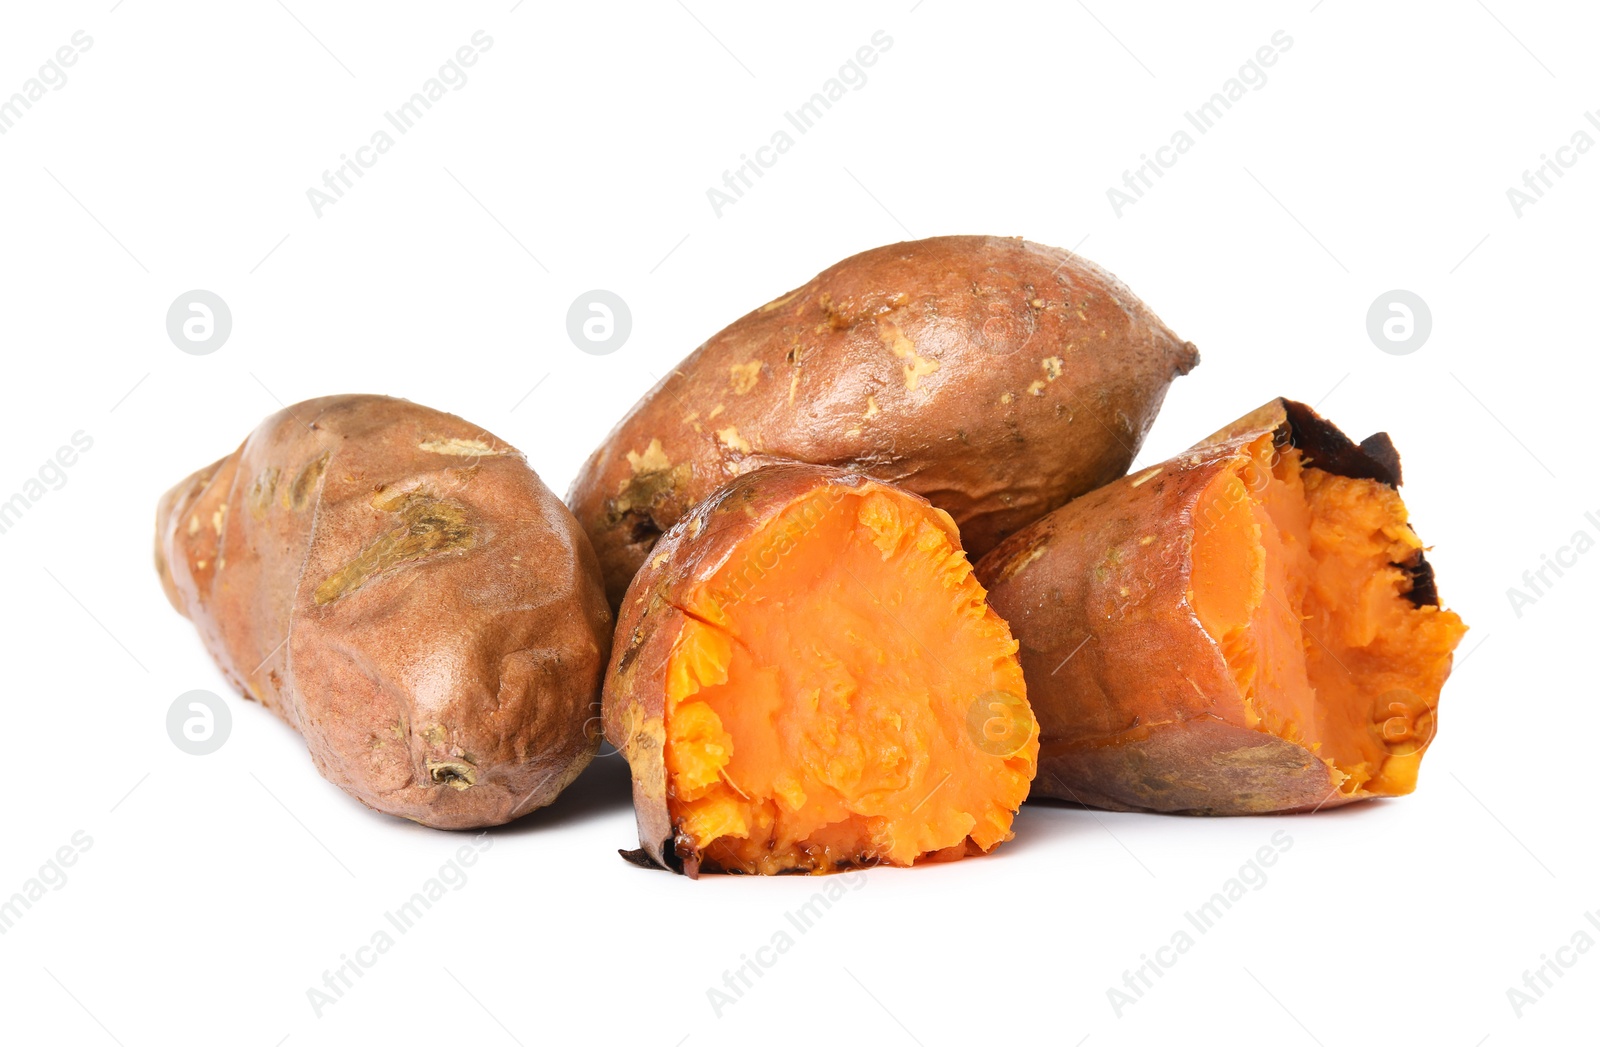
842, 695
1298, 574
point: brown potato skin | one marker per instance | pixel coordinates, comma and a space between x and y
688, 555
475, 652
1048, 374
1119, 669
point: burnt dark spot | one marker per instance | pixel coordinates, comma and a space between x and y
645, 498
642, 528
1324, 445
635, 645
1424, 591
457, 774
640, 857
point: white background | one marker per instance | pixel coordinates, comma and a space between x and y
218, 889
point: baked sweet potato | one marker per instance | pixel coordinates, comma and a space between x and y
1248, 627
806, 678
399, 586
996, 377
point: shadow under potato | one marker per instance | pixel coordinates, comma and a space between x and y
604, 788
1045, 824
1345, 810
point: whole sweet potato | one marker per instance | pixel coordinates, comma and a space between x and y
1246, 628
996, 377
400, 587
807, 678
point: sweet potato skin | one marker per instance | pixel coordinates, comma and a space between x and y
398, 586
996, 377
1118, 667
687, 556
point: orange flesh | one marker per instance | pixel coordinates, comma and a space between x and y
1295, 575
842, 695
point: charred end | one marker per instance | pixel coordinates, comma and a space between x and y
1325, 444
640, 857
1374, 458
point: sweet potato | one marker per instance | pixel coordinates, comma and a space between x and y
806, 678
400, 588
1248, 627
996, 377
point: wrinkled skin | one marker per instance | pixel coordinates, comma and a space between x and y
995, 377
1137, 708
400, 587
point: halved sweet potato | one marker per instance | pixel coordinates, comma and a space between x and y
1248, 627
807, 678
996, 377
